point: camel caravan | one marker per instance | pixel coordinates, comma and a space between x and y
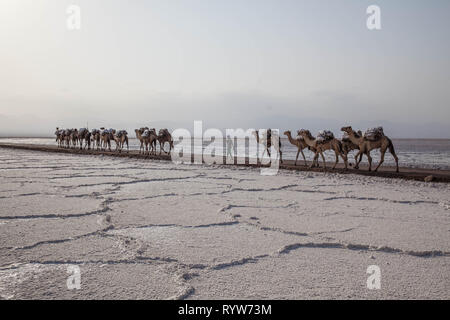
372, 139
100, 139
325, 140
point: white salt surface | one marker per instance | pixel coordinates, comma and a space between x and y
155, 230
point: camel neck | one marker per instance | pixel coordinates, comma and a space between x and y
291, 140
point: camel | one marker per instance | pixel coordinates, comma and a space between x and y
74, 137
349, 145
66, 138
163, 137
95, 137
121, 138
59, 137
84, 135
266, 142
105, 139
299, 143
147, 137
139, 133
365, 146
320, 146
150, 138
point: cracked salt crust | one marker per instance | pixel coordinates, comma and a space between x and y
155, 230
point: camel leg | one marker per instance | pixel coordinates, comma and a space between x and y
392, 151
298, 152
323, 159
316, 155
360, 155
304, 158
356, 159
281, 156
345, 158
316, 160
337, 160
370, 160
381, 160
128, 148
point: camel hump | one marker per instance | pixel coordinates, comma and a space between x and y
374, 134
122, 133
164, 132
324, 136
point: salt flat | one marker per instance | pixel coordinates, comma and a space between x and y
155, 230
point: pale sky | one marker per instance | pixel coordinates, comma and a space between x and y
236, 63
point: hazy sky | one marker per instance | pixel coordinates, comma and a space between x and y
235, 63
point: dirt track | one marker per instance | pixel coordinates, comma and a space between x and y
385, 171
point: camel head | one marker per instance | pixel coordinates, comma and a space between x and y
347, 129
140, 130
287, 133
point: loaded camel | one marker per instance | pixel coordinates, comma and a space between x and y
120, 138
147, 137
59, 137
84, 135
105, 139
266, 142
325, 141
74, 137
139, 133
163, 137
348, 145
299, 143
95, 137
366, 145
66, 137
